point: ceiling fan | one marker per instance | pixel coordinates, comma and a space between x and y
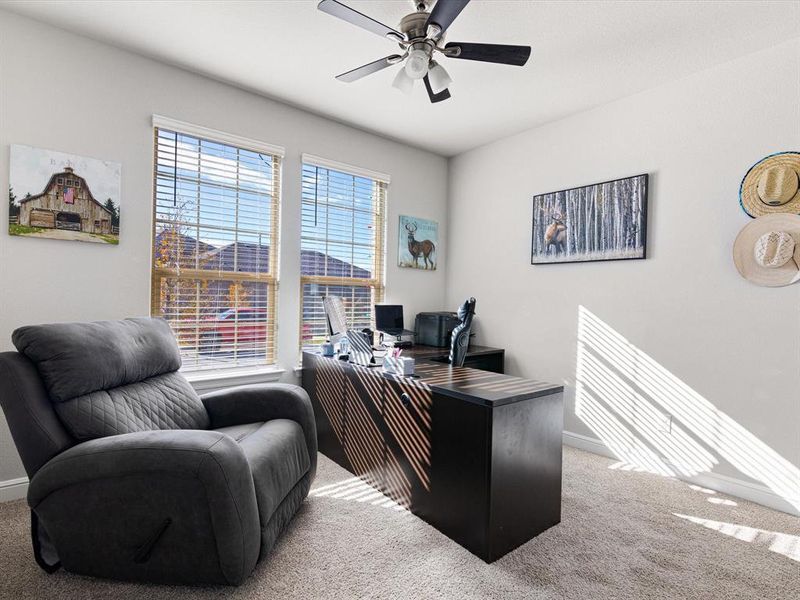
421, 35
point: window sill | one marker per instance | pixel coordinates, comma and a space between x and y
206, 381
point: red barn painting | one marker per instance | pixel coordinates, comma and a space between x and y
64, 206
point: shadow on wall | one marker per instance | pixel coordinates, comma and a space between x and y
652, 420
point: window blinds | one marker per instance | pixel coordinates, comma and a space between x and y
215, 248
342, 245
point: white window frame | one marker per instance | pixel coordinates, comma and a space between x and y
378, 282
219, 376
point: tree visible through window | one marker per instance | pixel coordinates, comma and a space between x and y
342, 247
215, 247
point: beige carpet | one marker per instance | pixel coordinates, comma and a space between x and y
620, 537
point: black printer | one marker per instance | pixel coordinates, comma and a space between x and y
434, 328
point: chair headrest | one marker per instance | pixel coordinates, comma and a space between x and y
467, 309
74, 359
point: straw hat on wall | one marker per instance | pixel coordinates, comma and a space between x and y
772, 185
767, 250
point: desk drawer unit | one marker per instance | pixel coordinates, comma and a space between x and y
475, 454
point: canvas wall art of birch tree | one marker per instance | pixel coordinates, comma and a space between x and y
604, 221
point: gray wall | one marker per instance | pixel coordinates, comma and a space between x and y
64, 92
693, 339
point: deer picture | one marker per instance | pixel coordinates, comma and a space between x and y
425, 247
556, 234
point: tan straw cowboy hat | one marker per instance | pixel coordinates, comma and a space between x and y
772, 185
767, 250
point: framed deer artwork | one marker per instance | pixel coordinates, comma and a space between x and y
603, 221
418, 243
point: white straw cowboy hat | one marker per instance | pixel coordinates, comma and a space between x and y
767, 250
772, 185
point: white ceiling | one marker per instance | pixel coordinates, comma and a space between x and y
584, 54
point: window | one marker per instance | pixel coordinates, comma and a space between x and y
215, 244
342, 243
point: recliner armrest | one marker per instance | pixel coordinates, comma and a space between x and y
214, 459
205, 453
264, 402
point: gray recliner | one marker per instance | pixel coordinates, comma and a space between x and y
132, 474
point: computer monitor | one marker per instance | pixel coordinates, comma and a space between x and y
336, 315
389, 317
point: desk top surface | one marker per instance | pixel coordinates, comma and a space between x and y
420, 351
473, 385
481, 387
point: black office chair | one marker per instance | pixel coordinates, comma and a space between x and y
459, 342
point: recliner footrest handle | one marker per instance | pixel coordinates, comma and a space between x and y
143, 553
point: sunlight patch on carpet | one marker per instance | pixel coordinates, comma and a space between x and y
782, 543
355, 490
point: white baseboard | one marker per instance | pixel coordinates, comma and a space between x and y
13, 489
714, 481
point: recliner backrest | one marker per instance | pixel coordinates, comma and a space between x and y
113, 377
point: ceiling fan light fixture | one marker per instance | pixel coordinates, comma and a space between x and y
439, 78
417, 64
419, 35
403, 82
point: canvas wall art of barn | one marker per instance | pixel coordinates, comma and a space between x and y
61, 196
603, 221
418, 241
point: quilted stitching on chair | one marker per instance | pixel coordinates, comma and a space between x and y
166, 401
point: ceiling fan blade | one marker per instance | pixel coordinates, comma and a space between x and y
369, 68
494, 53
443, 95
445, 12
344, 12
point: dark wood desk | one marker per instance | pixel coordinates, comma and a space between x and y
478, 357
477, 454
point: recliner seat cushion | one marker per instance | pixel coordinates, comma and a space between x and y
239, 432
278, 457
